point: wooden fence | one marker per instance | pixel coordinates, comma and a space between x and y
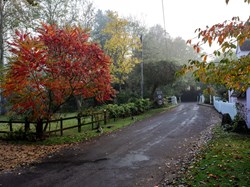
94, 120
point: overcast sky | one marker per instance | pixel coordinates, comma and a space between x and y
182, 16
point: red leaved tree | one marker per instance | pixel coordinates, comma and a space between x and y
47, 70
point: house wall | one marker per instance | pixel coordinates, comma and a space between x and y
225, 107
248, 107
245, 103
242, 53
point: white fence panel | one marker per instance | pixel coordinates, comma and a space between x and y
225, 107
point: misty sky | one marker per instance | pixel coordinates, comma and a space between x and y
182, 16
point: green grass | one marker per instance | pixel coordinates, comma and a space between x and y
87, 133
224, 162
72, 135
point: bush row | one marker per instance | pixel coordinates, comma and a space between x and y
128, 109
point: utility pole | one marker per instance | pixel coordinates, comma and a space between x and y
142, 64
163, 14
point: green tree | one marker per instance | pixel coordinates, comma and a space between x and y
100, 22
159, 74
13, 14
155, 45
67, 12
181, 52
120, 47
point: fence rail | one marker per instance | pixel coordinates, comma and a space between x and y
93, 120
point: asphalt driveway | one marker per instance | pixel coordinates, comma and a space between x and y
138, 155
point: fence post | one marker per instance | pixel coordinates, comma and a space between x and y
26, 125
61, 126
79, 123
105, 117
92, 121
10, 123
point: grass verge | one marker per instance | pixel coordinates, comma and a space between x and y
72, 135
224, 162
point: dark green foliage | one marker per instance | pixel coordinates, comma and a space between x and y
129, 109
20, 135
126, 97
236, 125
226, 122
142, 105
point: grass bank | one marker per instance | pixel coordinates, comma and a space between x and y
225, 162
72, 135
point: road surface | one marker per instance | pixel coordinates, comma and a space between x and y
138, 155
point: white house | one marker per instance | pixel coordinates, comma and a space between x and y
244, 49
243, 99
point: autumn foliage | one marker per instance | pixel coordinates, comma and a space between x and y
47, 70
231, 72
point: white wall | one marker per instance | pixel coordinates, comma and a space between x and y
230, 108
248, 108
225, 107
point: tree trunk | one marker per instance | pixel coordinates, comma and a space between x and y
2, 109
78, 100
39, 129
153, 91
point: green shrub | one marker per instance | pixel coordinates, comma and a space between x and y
142, 105
114, 110
129, 109
126, 97
236, 125
133, 108
20, 135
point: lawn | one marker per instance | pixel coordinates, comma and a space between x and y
225, 161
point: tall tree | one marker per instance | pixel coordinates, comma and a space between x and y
67, 12
13, 13
163, 73
181, 52
120, 47
47, 70
155, 45
100, 22
156, 75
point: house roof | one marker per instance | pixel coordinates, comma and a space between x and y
245, 46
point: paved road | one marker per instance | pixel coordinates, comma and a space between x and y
134, 156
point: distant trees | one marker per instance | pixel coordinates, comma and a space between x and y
13, 14
67, 12
159, 74
162, 57
119, 37
100, 21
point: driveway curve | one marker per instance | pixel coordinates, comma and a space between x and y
138, 155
